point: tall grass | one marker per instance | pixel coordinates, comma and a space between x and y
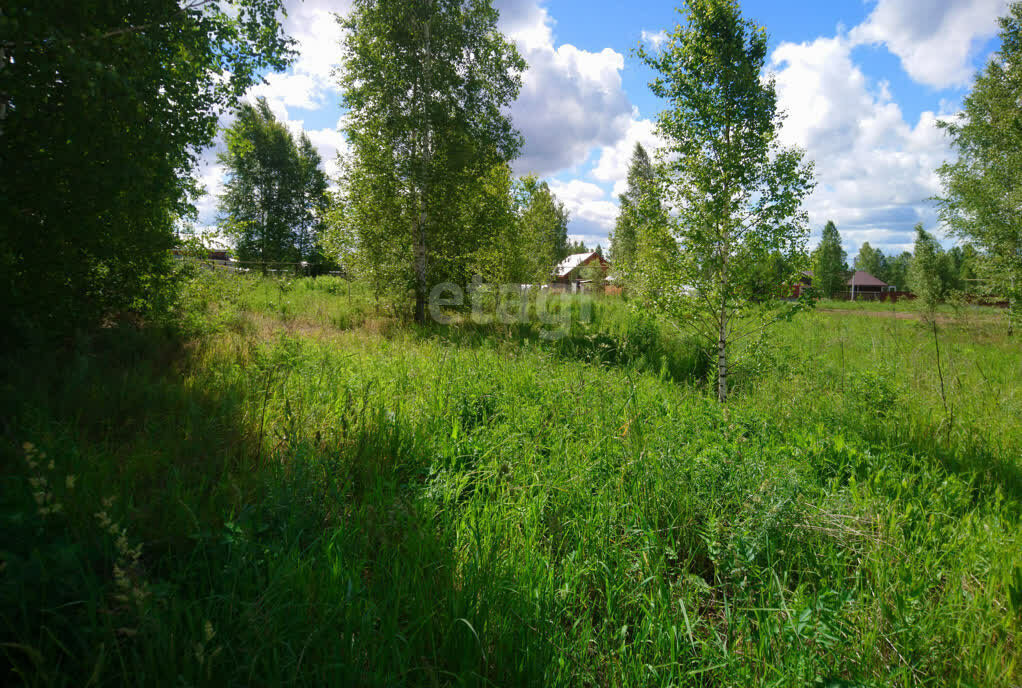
326, 495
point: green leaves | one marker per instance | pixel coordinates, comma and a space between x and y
734, 194
274, 201
425, 84
639, 207
829, 266
983, 188
925, 271
104, 107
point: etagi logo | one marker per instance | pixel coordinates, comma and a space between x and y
510, 304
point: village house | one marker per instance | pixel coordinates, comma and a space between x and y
863, 285
576, 272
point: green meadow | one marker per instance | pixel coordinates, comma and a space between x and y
290, 484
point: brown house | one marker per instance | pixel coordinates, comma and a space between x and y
570, 271
866, 286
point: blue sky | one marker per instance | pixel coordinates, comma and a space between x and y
863, 83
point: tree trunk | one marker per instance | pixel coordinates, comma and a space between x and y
420, 266
722, 359
421, 288
3, 96
1012, 305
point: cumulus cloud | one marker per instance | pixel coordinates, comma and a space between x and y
571, 99
329, 143
211, 176
875, 170
591, 214
309, 83
614, 160
936, 40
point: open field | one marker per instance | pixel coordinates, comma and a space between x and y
324, 495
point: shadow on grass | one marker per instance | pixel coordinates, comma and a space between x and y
307, 561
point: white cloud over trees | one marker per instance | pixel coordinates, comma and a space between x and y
876, 168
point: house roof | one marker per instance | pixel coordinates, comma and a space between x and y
565, 267
864, 279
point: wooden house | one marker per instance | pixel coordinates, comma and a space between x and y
573, 272
863, 285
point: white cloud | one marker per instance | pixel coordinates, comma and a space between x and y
571, 100
654, 39
591, 214
527, 24
289, 90
309, 83
211, 176
935, 39
875, 170
329, 142
612, 165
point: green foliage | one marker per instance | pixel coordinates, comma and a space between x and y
983, 185
502, 256
578, 246
543, 229
102, 108
871, 260
829, 266
772, 275
624, 240
275, 195
896, 269
926, 273
736, 193
425, 85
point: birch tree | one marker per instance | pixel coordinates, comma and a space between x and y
274, 199
426, 84
925, 271
984, 185
735, 193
